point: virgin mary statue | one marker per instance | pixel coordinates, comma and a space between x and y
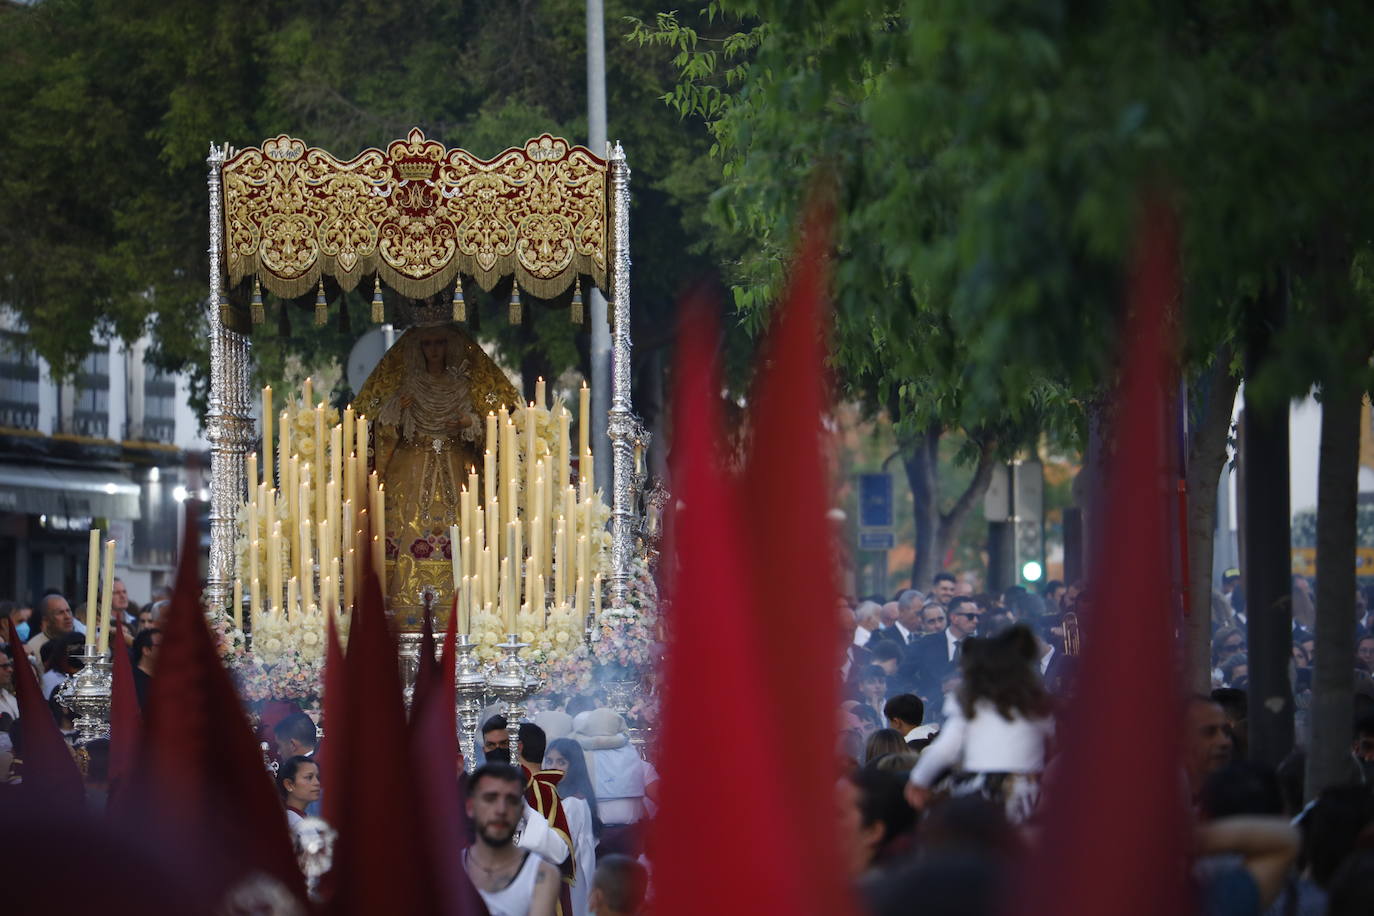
428, 397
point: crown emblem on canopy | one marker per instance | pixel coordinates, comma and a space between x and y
415, 158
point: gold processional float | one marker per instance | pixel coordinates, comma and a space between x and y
437, 473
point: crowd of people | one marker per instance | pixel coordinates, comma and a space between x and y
554, 828
948, 734
948, 743
50, 635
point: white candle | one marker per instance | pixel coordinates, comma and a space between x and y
320, 461
540, 394
254, 579
582, 573
455, 546
274, 571
92, 585
268, 442
322, 546
507, 603
349, 591
584, 413
464, 597
283, 444
469, 564
307, 574
106, 598
564, 449
531, 467
560, 578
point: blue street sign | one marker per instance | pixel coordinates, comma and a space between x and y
875, 501
876, 512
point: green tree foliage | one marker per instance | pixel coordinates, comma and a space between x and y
989, 157
111, 106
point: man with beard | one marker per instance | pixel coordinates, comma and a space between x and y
511, 880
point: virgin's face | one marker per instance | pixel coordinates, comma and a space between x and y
553, 760
433, 349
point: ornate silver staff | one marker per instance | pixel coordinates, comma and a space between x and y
470, 689
409, 647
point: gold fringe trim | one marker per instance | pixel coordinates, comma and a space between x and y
378, 306
321, 307
550, 287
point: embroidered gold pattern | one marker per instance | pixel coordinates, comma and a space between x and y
416, 215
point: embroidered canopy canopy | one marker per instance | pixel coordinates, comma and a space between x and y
416, 216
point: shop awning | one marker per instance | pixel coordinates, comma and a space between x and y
38, 490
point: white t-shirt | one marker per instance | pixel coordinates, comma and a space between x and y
514, 899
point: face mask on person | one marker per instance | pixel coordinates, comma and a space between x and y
23, 629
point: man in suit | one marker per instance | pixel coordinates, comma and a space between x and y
932, 658
905, 630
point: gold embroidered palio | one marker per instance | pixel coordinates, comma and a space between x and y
416, 215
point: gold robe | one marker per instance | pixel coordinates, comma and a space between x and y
423, 457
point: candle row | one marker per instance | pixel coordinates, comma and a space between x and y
527, 532
524, 537
311, 510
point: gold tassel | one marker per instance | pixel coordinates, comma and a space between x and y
460, 306
259, 313
378, 307
321, 307
578, 311
516, 315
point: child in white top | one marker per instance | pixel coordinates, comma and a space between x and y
996, 725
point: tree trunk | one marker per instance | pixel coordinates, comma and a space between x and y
922, 463
1269, 613
1333, 708
1206, 458
1088, 486
952, 522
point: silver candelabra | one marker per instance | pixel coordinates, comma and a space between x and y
470, 689
509, 683
88, 693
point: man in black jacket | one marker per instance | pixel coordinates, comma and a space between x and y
930, 659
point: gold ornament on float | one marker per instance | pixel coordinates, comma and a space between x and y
415, 215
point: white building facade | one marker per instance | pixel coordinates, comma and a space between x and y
117, 447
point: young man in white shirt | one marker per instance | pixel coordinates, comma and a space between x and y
511, 881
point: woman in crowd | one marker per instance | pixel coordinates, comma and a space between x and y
298, 780
996, 726
883, 742
578, 796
